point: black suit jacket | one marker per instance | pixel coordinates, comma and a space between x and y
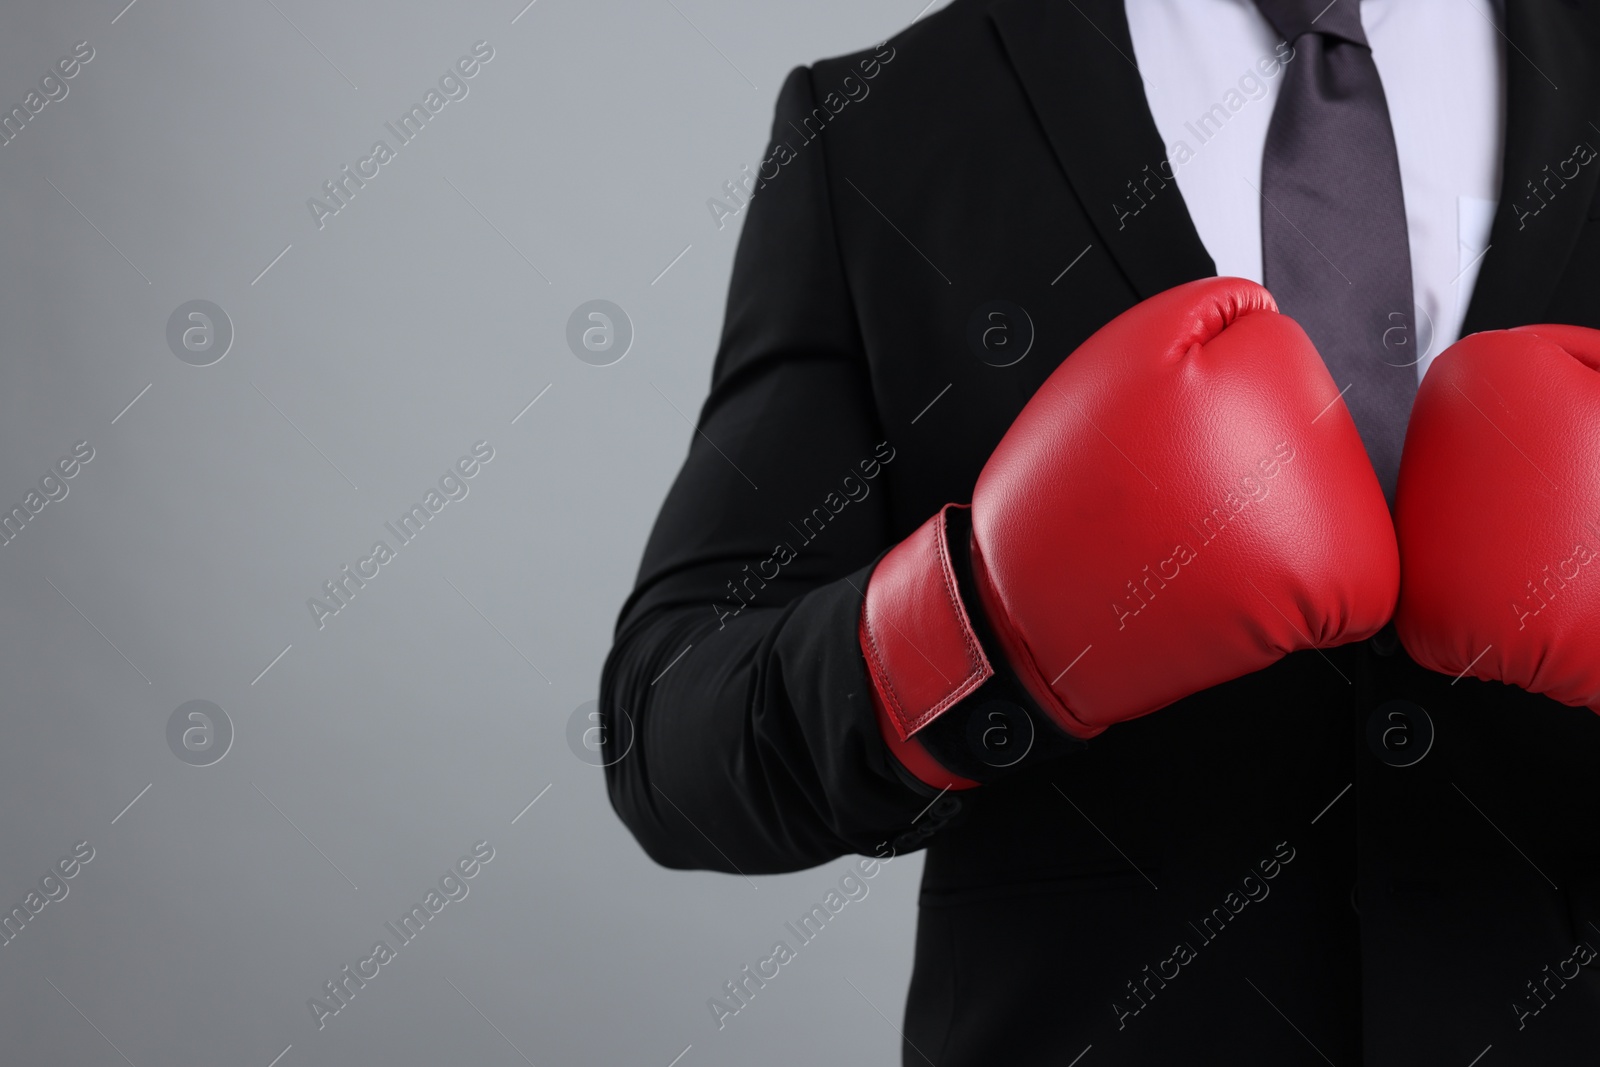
1242, 877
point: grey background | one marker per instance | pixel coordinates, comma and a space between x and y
432, 709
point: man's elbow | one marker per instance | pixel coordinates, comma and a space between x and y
664, 844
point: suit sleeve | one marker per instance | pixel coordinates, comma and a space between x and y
753, 744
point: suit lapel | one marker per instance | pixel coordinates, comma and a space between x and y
1075, 61
1550, 89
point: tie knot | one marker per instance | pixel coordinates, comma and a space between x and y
1293, 19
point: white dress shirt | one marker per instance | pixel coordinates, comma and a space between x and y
1443, 68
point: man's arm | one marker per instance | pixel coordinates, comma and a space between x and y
757, 749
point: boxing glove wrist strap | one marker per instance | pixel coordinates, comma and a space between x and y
999, 728
936, 687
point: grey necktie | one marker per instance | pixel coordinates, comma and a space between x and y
1333, 220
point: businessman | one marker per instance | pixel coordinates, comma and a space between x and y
1094, 490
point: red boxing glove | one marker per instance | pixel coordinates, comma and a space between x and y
1184, 501
1498, 511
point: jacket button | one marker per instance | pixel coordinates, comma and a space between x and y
1400, 732
1386, 642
